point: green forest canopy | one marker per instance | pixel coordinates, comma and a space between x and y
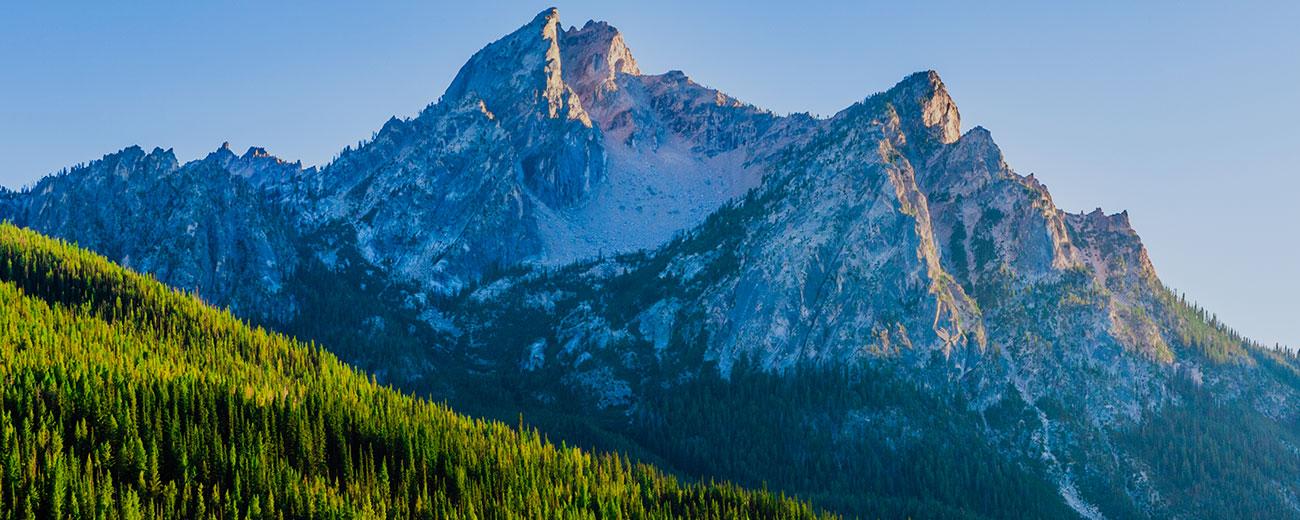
123, 398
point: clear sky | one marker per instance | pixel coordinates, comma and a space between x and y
1187, 114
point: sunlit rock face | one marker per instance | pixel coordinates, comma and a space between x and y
988, 218
938, 118
594, 56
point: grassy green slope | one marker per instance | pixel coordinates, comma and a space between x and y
125, 399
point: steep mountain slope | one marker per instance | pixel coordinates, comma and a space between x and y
125, 399
873, 310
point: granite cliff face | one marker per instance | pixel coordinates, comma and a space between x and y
562, 228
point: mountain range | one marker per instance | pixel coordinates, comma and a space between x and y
872, 310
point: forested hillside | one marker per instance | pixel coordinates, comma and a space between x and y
126, 399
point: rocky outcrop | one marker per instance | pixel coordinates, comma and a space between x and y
594, 56
1111, 248
989, 220
937, 119
257, 166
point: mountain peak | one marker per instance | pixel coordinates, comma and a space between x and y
593, 57
550, 15
222, 154
924, 104
519, 79
256, 151
522, 69
163, 159
524, 64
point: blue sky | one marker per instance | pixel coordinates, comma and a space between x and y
1187, 114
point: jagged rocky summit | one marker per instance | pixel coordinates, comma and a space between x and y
594, 241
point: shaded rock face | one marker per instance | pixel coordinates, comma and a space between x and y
195, 226
433, 199
590, 235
